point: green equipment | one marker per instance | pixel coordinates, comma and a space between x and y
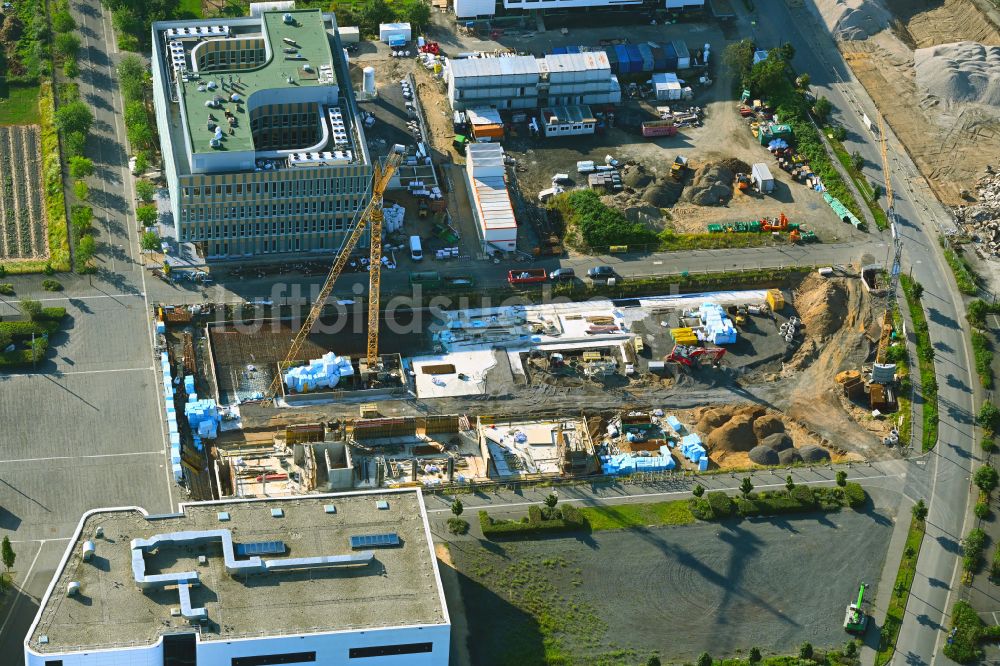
459, 143
855, 618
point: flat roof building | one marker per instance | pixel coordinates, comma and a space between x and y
487, 8
262, 149
312, 579
494, 213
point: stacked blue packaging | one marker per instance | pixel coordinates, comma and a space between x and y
171, 412
692, 449
203, 417
718, 326
627, 463
675, 424
189, 384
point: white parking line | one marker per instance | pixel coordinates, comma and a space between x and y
42, 541
24, 585
82, 372
96, 455
82, 298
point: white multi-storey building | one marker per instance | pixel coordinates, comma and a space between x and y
317, 579
485, 8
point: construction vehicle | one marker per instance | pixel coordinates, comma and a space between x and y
678, 167
855, 618
371, 216
743, 183
738, 313
690, 356
423, 209
779, 224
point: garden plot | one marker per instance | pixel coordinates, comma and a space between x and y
21, 211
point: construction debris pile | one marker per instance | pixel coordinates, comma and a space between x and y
712, 185
323, 372
982, 219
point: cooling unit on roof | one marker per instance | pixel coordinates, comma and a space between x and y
260, 548
375, 540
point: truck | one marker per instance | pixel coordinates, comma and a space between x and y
527, 276
656, 128
855, 617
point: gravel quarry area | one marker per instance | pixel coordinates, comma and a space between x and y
676, 591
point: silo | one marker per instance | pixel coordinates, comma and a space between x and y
368, 86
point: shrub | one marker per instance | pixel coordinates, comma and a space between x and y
31, 309
564, 519
7, 289
721, 504
145, 190
698, 490
458, 525
982, 510
987, 416
855, 495
972, 549
597, 225
701, 509
976, 312
81, 190
841, 478
986, 478
51, 285
3, 271
746, 506
968, 632
81, 167
804, 495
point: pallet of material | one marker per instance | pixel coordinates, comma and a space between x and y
439, 369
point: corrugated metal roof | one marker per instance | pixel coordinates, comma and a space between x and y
484, 154
513, 65
493, 202
576, 62
483, 115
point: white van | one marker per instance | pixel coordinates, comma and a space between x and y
416, 252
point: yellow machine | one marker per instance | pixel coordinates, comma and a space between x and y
371, 216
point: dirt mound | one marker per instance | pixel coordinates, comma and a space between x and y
711, 419
768, 425
821, 304
712, 186
734, 165
812, 453
960, 72
662, 194
779, 441
763, 455
637, 177
735, 435
789, 456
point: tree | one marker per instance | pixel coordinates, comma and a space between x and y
62, 21
141, 162
145, 190
746, 487
150, 242
754, 655
851, 649
126, 21
81, 190
146, 214
653, 661
802, 81
917, 290
132, 78
551, 500
698, 490
140, 136
7, 553
67, 44
841, 478
704, 659
822, 109
806, 651
920, 511
31, 309
986, 478
789, 483
74, 118
987, 416
457, 508
787, 52
374, 13
739, 58
75, 143
839, 133
71, 68
80, 167
81, 217
767, 75
416, 12
85, 249
857, 161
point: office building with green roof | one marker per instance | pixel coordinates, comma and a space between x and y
263, 150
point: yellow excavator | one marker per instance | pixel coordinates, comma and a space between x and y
371, 217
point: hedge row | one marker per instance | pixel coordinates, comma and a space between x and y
717, 505
969, 631
538, 521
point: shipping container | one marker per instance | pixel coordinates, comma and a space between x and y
671, 54
621, 56
635, 59
659, 59
646, 53
683, 54
654, 128
559, 50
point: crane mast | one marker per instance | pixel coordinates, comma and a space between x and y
897, 247
371, 217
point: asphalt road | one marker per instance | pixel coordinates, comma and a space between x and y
81, 430
921, 219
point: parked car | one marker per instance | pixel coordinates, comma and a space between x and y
601, 273
562, 275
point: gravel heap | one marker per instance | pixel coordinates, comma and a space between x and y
779, 441
982, 219
789, 457
852, 19
812, 454
637, 177
960, 72
712, 186
763, 455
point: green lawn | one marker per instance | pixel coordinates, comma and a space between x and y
19, 105
900, 593
676, 512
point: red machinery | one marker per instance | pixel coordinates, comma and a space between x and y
431, 47
691, 356
781, 224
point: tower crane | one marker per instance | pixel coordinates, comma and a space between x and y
371, 216
897, 247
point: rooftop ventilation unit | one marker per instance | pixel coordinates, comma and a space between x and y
288, 19
260, 548
375, 540
73, 589
88, 551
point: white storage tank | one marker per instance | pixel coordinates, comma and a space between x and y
368, 85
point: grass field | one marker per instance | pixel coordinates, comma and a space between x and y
677, 512
19, 105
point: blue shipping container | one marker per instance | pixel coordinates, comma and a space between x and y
559, 50
621, 57
671, 54
572, 49
635, 59
659, 60
646, 53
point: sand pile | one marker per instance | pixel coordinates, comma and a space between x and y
764, 455
960, 72
712, 186
637, 177
821, 304
852, 19
754, 433
736, 434
768, 425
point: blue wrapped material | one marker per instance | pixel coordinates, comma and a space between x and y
178, 472
635, 59
703, 464
675, 424
692, 448
203, 417
626, 463
189, 383
670, 53
559, 50
175, 439
646, 55
572, 49
161, 327
621, 57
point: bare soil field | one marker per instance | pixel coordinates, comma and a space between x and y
22, 213
951, 143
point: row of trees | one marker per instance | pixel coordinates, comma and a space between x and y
67, 43
369, 14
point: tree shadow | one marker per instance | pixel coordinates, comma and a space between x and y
941, 319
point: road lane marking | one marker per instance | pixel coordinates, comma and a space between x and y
42, 541
96, 455
625, 498
79, 298
148, 368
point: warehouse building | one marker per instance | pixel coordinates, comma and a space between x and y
526, 82
487, 8
495, 221
262, 149
324, 579
567, 121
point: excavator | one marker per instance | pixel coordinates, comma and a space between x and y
855, 618
370, 216
690, 356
